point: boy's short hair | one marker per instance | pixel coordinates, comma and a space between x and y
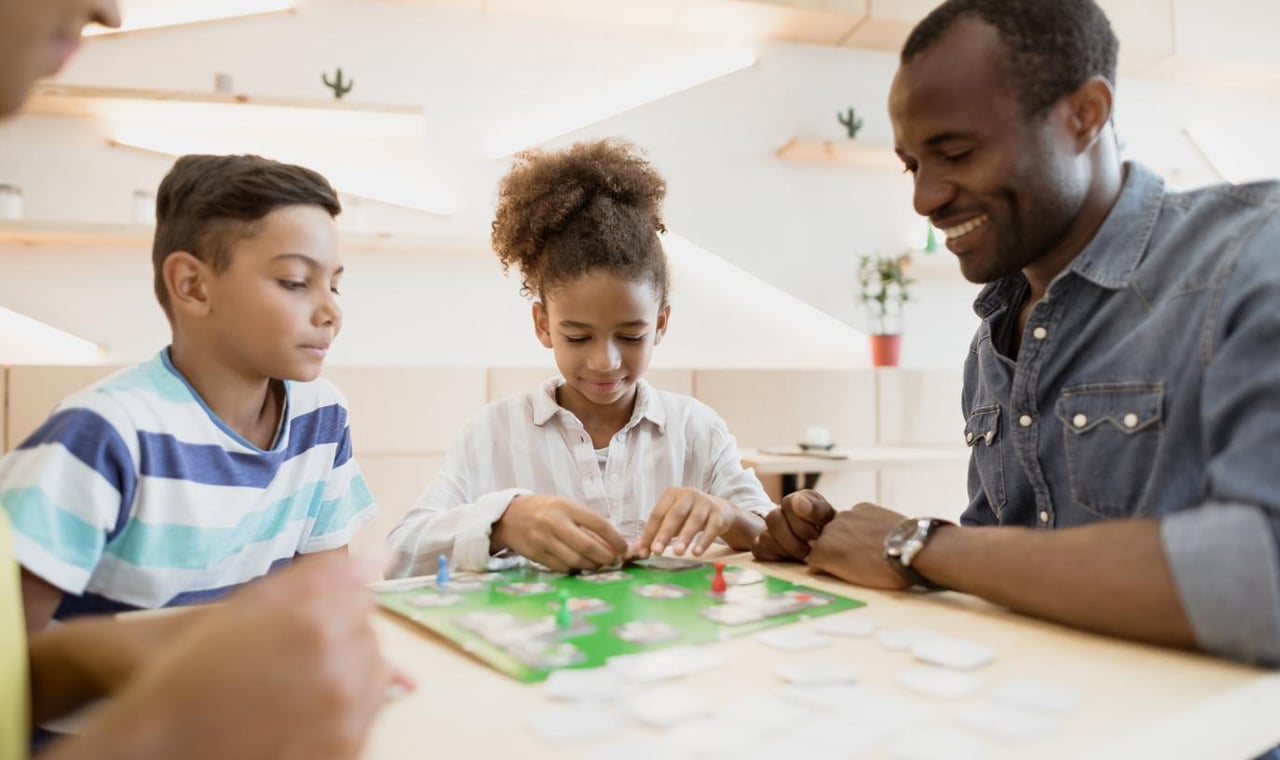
206, 203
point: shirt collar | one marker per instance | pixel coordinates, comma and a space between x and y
1110, 258
648, 405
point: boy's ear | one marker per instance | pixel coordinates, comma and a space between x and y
541, 324
185, 277
660, 329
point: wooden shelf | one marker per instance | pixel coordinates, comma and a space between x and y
868, 154
80, 100
95, 235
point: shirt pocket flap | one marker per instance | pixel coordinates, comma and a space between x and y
983, 426
1129, 408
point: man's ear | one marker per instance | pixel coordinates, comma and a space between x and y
1090, 112
660, 329
541, 324
186, 279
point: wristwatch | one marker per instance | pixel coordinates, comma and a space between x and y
905, 541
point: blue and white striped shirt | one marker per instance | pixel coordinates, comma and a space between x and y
133, 494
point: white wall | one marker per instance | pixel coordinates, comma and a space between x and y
797, 227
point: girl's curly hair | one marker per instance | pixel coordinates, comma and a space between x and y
596, 206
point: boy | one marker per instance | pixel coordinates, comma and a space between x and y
219, 460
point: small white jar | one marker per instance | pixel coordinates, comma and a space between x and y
10, 202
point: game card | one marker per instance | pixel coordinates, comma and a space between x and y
529, 588
609, 576
740, 577
661, 591
440, 599
583, 605
732, 614
646, 632
547, 654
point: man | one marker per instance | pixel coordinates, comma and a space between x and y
288, 668
1122, 394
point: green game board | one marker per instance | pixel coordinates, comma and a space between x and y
592, 639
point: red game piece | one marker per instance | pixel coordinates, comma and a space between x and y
718, 586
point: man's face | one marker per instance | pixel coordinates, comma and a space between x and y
38, 36
998, 182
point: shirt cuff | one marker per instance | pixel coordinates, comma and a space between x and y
1224, 563
471, 544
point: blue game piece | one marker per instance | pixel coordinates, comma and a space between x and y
442, 571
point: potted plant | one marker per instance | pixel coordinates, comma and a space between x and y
885, 290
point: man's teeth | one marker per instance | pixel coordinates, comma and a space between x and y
966, 228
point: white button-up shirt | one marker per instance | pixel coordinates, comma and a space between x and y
529, 444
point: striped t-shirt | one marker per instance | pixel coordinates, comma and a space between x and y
133, 494
530, 444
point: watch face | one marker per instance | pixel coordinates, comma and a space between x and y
899, 535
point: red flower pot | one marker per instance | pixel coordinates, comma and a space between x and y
885, 349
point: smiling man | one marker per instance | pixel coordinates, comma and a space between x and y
1122, 394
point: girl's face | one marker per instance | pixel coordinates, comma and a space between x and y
602, 329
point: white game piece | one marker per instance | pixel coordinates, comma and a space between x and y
563, 725
1005, 721
586, 685
825, 698
1037, 695
938, 743
960, 654
903, 638
672, 662
939, 683
792, 639
845, 625
816, 673
668, 705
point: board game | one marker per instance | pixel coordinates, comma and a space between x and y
527, 622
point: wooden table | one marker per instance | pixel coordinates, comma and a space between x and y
1139, 701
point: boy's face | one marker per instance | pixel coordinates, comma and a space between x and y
38, 36
602, 329
274, 311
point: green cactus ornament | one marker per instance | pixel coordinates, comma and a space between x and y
850, 121
338, 86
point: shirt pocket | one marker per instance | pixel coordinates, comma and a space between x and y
982, 433
1111, 434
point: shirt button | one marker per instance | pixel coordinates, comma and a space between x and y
968, 437
990, 436
1025, 420
1040, 333
1131, 420
1044, 516
1079, 420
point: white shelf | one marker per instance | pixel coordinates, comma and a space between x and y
866, 154
82, 100
863, 458
95, 235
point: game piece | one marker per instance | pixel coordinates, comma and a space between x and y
564, 616
665, 706
960, 654
732, 614
718, 585
816, 673
563, 725
937, 743
792, 640
646, 632
1006, 721
442, 571
661, 591
1037, 695
939, 683
846, 625
662, 664
589, 685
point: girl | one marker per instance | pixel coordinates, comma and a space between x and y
595, 466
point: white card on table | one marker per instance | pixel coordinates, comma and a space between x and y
939, 683
792, 639
903, 638
586, 685
1006, 721
563, 725
960, 654
816, 673
845, 625
668, 705
1037, 695
661, 664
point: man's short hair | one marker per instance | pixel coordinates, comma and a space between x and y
207, 203
1056, 45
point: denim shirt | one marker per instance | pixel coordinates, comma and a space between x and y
1147, 384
